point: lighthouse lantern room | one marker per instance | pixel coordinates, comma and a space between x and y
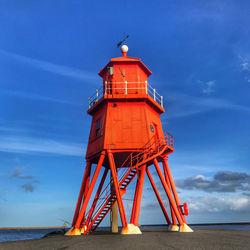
126, 138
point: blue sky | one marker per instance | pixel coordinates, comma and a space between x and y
50, 53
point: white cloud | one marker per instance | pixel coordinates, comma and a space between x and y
185, 105
245, 67
207, 87
34, 96
199, 177
38, 145
52, 67
218, 204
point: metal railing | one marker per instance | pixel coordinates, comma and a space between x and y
152, 147
125, 88
95, 97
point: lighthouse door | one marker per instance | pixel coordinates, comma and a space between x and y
154, 129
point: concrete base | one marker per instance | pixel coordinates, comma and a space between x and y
185, 229
73, 231
83, 229
131, 229
173, 228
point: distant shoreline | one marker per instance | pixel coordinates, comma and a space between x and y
23, 228
146, 225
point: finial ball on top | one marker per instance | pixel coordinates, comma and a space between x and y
124, 48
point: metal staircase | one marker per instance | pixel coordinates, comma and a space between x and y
126, 173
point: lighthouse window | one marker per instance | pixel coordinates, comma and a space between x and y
152, 128
98, 128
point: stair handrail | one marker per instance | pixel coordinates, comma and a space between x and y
167, 139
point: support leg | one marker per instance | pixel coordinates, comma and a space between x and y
168, 173
117, 190
85, 193
174, 226
134, 203
158, 197
114, 218
168, 192
82, 190
114, 210
139, 195
76, 230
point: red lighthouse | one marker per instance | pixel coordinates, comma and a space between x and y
126, 138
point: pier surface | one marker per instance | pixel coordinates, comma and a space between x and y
150, 239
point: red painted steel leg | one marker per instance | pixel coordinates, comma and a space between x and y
139, 195
85, 193
168, 183
117, 189
168, 192
92, 184
158, 197
134, 203
79, 202
97, 195
177, 200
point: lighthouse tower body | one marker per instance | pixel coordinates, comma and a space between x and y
126, 138
126, 116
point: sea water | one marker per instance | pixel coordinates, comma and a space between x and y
28, 234
24, 234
